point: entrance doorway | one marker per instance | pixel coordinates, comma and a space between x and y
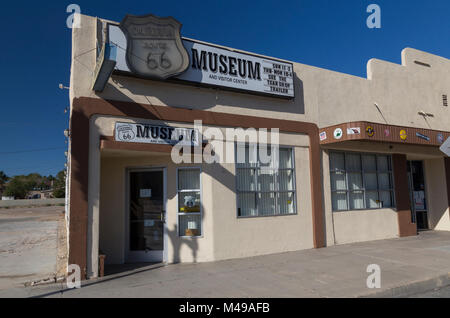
146, 217
417, 194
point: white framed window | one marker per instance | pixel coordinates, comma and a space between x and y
361, 181
189, 196
263, 190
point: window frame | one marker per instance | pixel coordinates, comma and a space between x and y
189, 190
362, 172
276, 191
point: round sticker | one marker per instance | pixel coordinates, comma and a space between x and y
338, 133
370, 131
403, 134
440, 138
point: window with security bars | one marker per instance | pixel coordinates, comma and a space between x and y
361, 181
264, 189
189, 202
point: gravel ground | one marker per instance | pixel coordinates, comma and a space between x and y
29, 244
30, 203
437, 293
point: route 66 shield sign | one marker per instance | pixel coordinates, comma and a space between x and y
125, 132
154, 46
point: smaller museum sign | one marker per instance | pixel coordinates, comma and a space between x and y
155, 134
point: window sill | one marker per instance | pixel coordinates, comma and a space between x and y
362, 210
265, 216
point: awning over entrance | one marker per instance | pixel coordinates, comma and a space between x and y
366, 131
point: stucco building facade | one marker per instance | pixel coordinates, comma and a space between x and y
359, 160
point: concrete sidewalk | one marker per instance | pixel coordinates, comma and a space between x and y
408, 265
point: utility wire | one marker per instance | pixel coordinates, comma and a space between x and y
31, 150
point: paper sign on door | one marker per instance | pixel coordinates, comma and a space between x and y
145, 193
419, 200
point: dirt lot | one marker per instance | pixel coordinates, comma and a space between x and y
32, 244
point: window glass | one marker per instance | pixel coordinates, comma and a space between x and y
246, 180
369, 163
382, 163
190, 225
353, 162
263, 190
189, 202
265, 158
371, 181
384, 182
188, 179
286, 180
286, 202
365, 183
356, 200
266, 180
266, 203
386, 199
285, 158
337, 161
372, 199
247, 204
355, 181
338, 181
246, 156
339, 201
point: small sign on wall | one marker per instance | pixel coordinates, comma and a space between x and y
145, 193
155, 134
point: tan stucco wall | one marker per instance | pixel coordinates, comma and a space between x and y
366, 225
436, 190
113, 211
355, 226
322, 96
240, 237
400, 91
224, 235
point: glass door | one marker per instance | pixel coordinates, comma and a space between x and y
417, 194
146, 215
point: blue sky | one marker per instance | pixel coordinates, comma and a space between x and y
332, 34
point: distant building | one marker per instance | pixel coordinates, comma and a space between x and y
40, 194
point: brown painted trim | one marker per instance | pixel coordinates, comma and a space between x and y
380, 136
84, 108
405, 225
79, 171
447, 175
